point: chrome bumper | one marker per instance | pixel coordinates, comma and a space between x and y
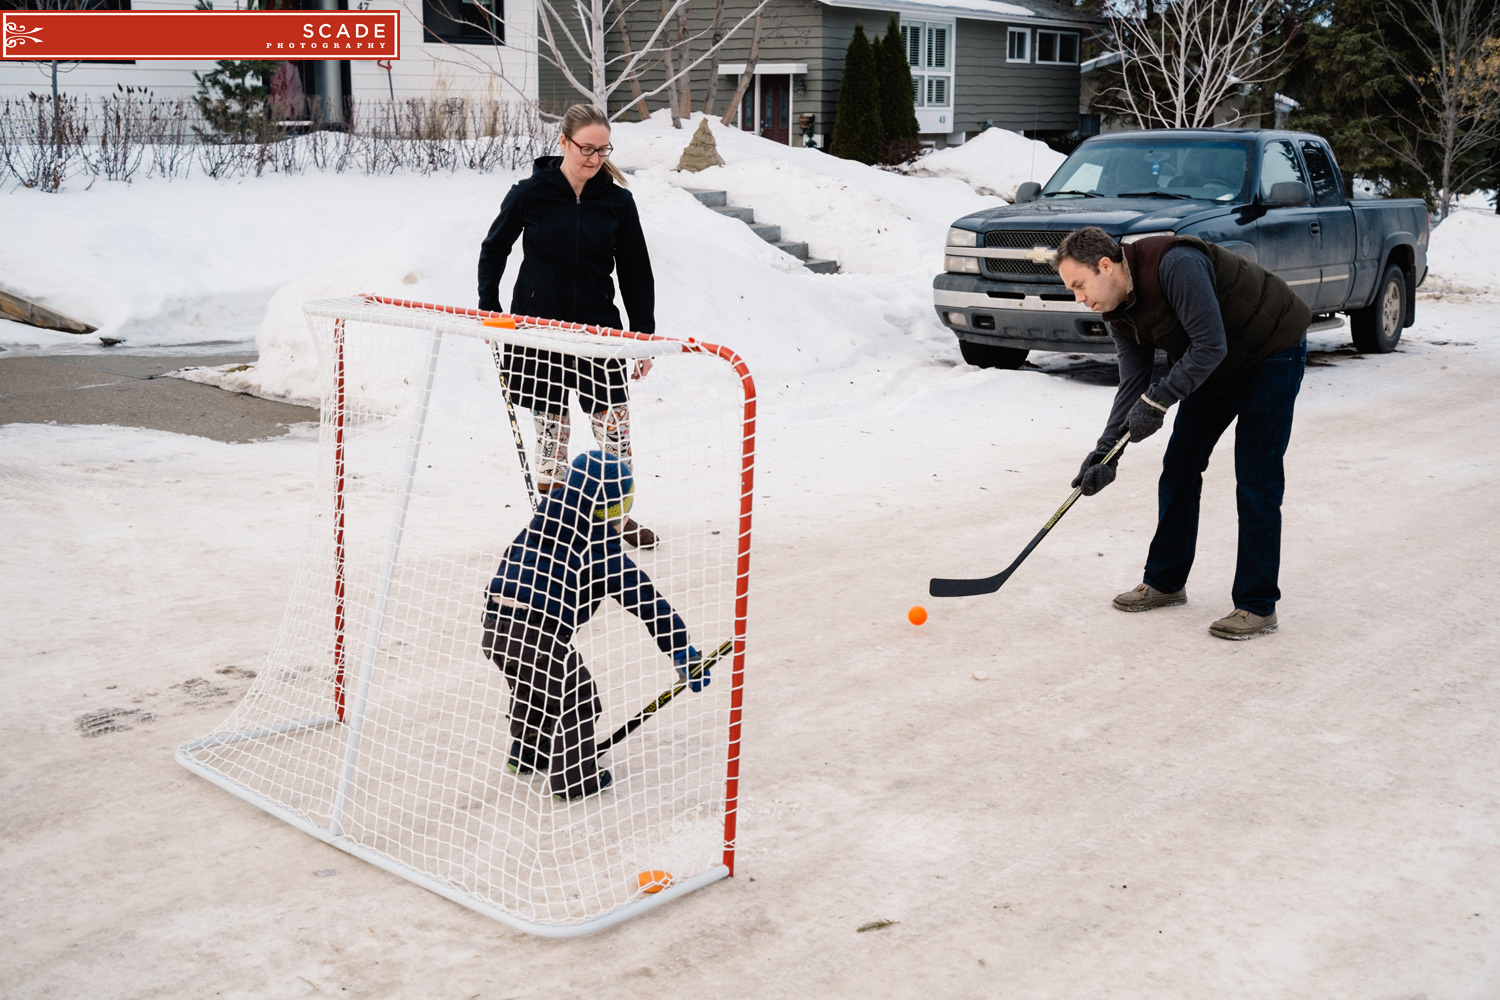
1035, 317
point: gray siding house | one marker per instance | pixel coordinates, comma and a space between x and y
976, 64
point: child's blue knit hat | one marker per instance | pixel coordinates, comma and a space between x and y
604, 482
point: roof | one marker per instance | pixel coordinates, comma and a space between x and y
1046, 13
1216, 132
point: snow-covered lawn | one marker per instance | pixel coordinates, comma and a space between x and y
1125, 807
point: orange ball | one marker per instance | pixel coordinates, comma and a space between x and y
654, 880
917, 615
504, 322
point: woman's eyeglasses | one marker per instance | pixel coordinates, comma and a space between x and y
590, 151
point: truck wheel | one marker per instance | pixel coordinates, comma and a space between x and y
1377, 327
990, 356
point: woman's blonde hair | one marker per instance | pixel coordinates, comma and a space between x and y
581, 116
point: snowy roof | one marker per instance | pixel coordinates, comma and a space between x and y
1043, 13
1107, 59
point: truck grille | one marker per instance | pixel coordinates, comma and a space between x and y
1023, 240
1020, 240
1004, 266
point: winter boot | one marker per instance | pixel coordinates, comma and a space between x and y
1146, 597
531, 754
583, 791
551, 448
524, 759
1241, 624
635, 534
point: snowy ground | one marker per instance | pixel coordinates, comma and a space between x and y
1125, 807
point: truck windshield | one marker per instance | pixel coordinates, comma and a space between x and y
1197, 169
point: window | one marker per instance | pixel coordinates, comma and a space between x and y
1056, 47
929, 53
937, 47
1018, 45
475, 22
1326, 186
1277, 164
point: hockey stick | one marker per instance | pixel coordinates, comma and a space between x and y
695, 671
989, 584
498, 353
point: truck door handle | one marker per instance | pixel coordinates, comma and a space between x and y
1314, 228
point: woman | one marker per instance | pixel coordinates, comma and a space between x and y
579, 225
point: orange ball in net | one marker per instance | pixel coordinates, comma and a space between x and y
917, 615
504, 322
654, 880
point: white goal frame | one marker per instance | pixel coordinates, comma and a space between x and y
348, 701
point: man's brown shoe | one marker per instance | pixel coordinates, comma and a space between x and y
1241, 624
1145, 597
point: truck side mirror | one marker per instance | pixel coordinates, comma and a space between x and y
1029, 191
1288, 194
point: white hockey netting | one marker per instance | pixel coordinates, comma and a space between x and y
380, 721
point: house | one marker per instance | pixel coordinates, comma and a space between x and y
449, 48
976, 64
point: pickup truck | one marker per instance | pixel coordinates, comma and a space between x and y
1275, 197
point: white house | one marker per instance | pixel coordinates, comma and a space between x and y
444, 53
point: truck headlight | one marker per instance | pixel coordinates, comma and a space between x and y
962, 238
1141, 236
961, 265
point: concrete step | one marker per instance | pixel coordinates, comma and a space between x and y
718, 201
735, 212
713, 199
798, 250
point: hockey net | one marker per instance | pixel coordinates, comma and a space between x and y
380, 725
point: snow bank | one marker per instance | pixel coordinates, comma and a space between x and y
870, 220
1460, 257
198, 261
996, 161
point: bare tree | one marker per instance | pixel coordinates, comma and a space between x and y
1457, 82
53, 65
575, 40
747, 77
717, 27
1182, 60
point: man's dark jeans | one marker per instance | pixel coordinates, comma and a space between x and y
1262, 399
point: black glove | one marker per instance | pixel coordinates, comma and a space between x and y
1146, 416
1092, 476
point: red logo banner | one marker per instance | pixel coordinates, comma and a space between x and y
205, 34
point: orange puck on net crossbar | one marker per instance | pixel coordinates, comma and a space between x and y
504, 322
654, 880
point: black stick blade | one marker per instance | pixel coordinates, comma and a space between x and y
965, 588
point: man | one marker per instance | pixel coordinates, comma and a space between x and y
1236, 336
553, 578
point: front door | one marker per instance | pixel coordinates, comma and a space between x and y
775, 108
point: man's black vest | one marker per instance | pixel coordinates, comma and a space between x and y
1262, 315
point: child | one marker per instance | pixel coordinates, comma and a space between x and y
551, 580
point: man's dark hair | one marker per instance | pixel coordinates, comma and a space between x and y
1088, 246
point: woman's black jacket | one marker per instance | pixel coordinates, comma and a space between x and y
571, 244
